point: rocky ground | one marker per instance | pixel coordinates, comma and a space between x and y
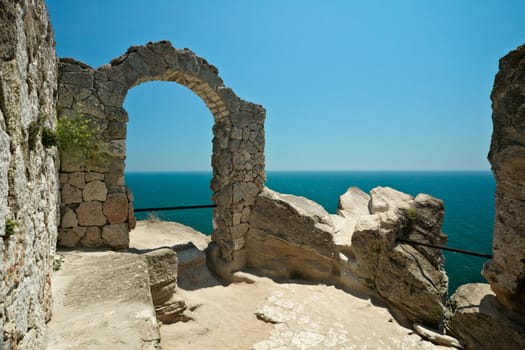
264, 314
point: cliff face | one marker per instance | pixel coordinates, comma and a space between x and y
506, 271
28, 181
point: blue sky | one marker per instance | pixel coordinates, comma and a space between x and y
347, 85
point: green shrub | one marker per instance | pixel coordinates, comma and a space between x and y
78, 138
411, 215
57, 262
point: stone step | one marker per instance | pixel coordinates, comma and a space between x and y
102, 300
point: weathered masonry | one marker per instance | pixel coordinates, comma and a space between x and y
96, 205
28, 174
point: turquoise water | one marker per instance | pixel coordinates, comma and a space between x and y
468, 197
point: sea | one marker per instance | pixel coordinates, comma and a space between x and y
468, 198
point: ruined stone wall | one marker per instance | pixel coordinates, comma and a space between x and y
506, 271
28, 176
96, 206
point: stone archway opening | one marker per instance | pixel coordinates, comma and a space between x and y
168, 153
237, 157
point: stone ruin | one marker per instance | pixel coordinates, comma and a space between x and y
96, 207
279, 235
28, 181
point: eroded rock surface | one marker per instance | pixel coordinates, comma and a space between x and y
28, 175
410, 277
323, 317
290, 236
506, 271
477, 318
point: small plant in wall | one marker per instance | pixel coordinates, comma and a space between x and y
78, 138
10, 227
38, 130
49, 137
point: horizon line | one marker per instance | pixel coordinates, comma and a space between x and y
319, 170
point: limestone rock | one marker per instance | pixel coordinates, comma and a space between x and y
385, 199
411, 278
90, 214
28, 176
172, 311
353, 203
279, 258
162, 269
476, 317
189, 257
297, 220
343, 230
95, 191
116, 208
290, 236
506, 271
436, 337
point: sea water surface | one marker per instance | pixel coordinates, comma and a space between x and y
468, 197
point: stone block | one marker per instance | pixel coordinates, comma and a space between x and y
92, 176
92, 238
116, 130
115, 208
70, 237
76, 179
95, 191
90, 214
82, 79
71, 194
111, 93
162, 269
116, 236
69, 218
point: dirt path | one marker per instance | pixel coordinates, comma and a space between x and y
102, 301
270, 315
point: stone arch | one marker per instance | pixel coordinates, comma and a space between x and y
93, 198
